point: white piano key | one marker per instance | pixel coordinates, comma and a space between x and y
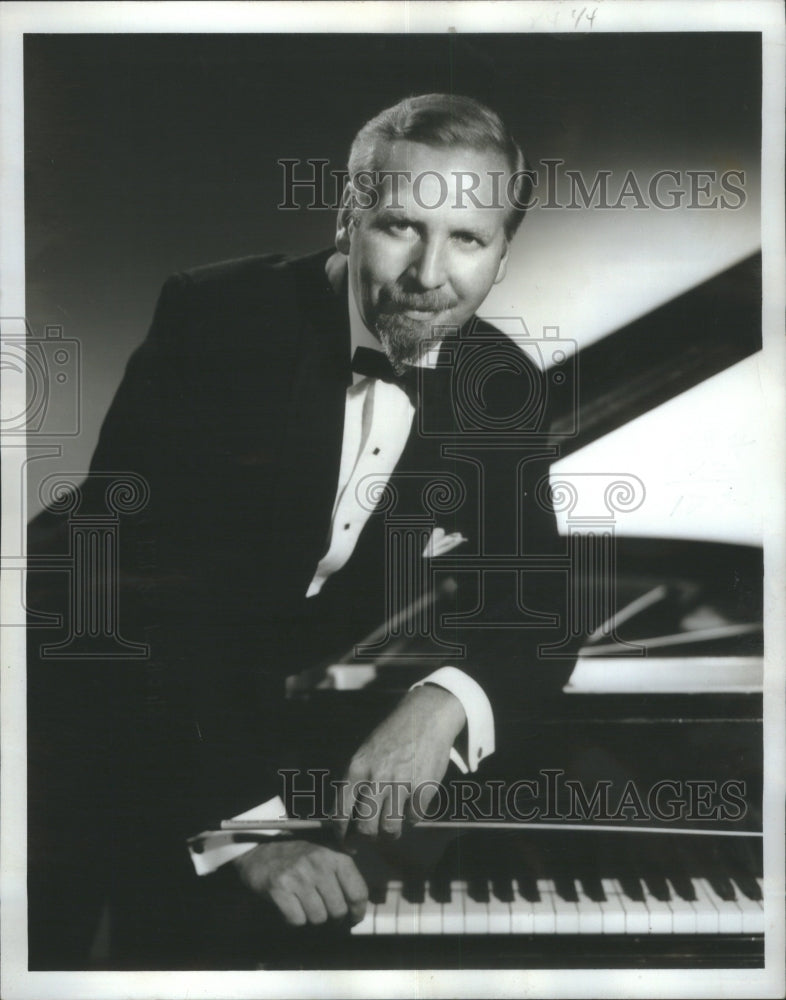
430, 915
385, 916
752, 912
407, 917
706, 911
545, 919
612, 911
729, 914
661, 916
476, 916
453, 912
366, 925
566, 915
590, 913
683, 913
500, 919
637, 919
522, 916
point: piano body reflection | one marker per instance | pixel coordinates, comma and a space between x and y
677, 890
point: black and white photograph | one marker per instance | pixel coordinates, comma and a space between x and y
393, 509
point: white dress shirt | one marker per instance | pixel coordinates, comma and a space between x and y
377, 422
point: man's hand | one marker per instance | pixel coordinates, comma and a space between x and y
307, 882
410, 747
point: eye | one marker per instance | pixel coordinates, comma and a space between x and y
400, 227
468, 239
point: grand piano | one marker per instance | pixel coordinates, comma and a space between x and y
609, 885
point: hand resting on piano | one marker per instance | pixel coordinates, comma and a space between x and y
410, 749
312, 883
309, 883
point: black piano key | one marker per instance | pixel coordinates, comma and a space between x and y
499, 868
413, 890
632, 888
683, 867
748, 886
502, 888
620, 859
741, 863
439, 883
377, 893
439, 890
478, 889
527, 865
566, 888
722, 887
528, 888
683, 887
658, 887
592, 889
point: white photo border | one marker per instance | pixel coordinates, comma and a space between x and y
18, 18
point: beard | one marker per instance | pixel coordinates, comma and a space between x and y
404, 339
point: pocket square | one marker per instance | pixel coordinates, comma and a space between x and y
440, 543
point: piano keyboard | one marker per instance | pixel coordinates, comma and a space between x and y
566, 906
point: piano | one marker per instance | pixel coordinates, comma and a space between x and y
630, 893
624, 892
568, 899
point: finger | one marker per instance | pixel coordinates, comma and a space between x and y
390, 816
370, 799
416, 808
354, 888
289, 906
343, 808
332, 896
312, 904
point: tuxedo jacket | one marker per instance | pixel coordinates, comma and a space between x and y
232, 413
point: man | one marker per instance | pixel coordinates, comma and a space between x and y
283, 491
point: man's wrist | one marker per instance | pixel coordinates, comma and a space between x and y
211, 851
477, 737
449, 714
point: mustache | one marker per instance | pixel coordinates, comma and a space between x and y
396, 301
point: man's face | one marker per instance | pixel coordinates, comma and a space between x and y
426, 254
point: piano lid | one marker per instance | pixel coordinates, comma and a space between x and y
666, 352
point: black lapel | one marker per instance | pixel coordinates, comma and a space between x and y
313, 423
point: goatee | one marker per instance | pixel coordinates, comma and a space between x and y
405, 340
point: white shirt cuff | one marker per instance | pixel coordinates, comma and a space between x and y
209, 851
477, 708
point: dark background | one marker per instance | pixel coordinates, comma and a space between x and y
147, 154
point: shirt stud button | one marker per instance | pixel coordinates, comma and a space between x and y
375, 451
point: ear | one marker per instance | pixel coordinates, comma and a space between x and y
502, 270
345, 220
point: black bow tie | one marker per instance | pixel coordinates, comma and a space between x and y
375, 364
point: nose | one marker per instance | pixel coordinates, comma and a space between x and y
428, 264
